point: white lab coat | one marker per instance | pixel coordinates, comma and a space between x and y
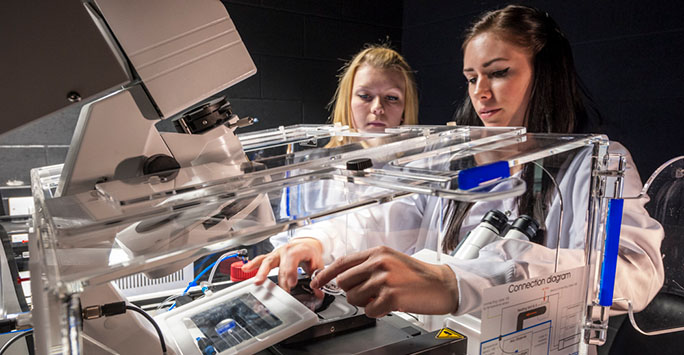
411, 224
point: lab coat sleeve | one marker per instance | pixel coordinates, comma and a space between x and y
301, 200
327, 232
639, 274
397, 224
279, 239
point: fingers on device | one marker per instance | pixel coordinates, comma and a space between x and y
241, 319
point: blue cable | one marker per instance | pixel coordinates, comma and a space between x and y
201, 263
194, 282
17, 331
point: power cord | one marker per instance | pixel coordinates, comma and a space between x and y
114, 308
14, 339
149, 318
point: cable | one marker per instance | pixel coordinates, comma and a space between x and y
194, 282
17, 331
201, 263
15, 322
116, 308
560, 217
630, 313
221, 258
7, 325
331, 288
168, 299
213, 266
149, 318
14, 339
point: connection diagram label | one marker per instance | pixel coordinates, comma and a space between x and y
542, 315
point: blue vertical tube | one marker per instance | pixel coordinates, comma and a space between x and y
610, 252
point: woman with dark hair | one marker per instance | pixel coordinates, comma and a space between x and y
555, 101
520, 72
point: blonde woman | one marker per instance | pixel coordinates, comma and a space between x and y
376, 90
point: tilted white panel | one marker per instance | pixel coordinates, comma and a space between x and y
183, 50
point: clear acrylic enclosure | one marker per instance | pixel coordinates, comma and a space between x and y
296, 178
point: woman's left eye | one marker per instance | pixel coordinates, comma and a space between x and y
392, 98
500, 73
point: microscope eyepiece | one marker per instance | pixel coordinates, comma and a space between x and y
489, 229
523, 228
496, 219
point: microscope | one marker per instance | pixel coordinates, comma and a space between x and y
153, 60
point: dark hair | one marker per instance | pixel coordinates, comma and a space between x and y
557, 100
557, 97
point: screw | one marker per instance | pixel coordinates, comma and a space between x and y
73, 96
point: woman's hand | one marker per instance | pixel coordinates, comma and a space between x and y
384, 280
288, 257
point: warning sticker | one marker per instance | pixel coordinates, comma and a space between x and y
448, 333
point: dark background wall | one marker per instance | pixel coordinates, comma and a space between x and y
629, 54
298, 47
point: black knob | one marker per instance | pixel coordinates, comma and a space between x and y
73, 96
359, 164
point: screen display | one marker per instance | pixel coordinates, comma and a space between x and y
232, 322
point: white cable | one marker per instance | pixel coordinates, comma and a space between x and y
218, 261
560, 217
331, 287
168, 299
630, 313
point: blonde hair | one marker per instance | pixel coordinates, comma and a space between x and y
380, 57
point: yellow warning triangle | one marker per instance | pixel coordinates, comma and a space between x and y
448, 333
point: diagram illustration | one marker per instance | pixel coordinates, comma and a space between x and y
533, 317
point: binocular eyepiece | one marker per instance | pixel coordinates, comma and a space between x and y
493, 226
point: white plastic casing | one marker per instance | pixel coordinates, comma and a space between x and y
295, 318
184, 51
